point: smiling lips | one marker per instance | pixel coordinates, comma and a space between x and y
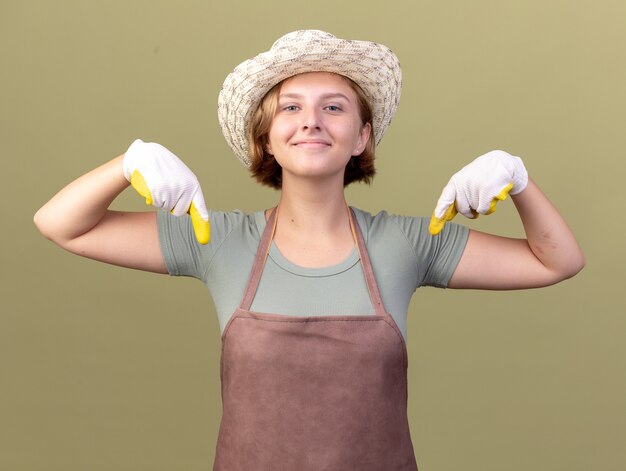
312, 143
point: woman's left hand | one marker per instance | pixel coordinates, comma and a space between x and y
477, 188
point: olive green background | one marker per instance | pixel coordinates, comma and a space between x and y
103, 368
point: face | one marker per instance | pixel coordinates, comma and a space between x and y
317, 127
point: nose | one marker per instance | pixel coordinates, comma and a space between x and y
311, 120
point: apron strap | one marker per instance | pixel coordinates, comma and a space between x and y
263, 251
368, 271
259, 262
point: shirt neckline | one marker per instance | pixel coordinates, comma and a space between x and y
277, 257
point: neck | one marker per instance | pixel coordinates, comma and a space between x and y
312, 207
313, 226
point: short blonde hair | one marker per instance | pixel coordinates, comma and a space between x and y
268, 172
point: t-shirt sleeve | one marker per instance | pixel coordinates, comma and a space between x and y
181, 252
437, 256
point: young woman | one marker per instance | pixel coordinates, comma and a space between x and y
312, 295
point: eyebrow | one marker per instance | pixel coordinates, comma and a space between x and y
324, 96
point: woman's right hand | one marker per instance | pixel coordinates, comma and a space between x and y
167, 183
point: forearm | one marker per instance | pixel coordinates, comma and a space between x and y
548, 235
82, 204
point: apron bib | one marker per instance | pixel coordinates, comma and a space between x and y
313, 393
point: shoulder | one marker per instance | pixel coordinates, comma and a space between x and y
225, 222
224, 225
390, 233
384, 224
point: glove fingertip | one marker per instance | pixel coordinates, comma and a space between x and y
201, 226
436, 225
203, 233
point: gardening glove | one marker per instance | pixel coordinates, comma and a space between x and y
477, 188
167, 183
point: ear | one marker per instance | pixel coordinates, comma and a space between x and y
268, 148
364, 136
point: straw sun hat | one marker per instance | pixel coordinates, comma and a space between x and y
374, 67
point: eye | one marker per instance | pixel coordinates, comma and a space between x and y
333, 108
289, 107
